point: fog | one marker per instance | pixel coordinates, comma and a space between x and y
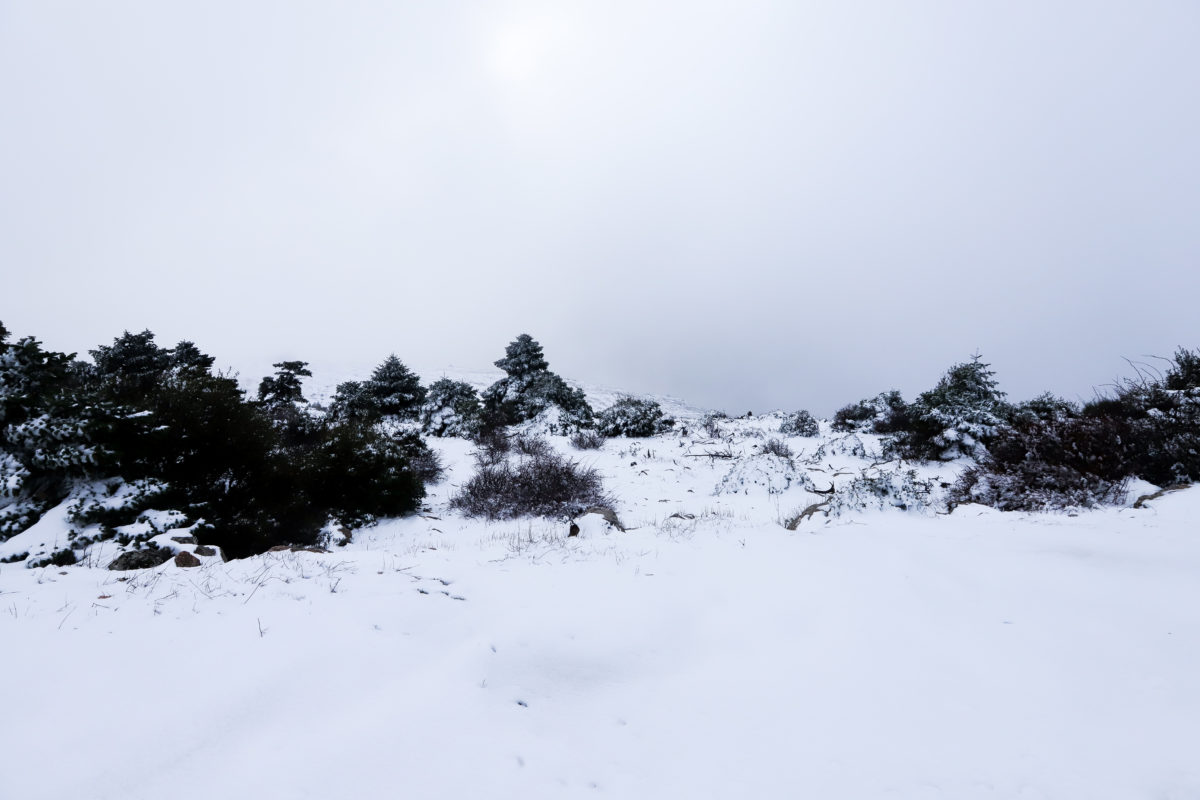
749, 205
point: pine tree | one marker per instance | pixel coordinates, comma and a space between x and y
351, 403
958, 417
394, 390
530, 388
284, 387
523, 356
186, 356
451, 409
131, 365
46, 430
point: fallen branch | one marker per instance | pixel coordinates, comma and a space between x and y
795, 521
1139, 503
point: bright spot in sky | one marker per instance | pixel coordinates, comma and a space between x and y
519, 50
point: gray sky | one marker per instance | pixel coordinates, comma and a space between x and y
747, 204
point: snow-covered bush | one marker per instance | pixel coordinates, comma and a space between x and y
587, 440
801, 423
542, 485
1055, 455
766, 472
527, 444
1045, 408
884, 413
877, 489
777, 447
850, 444
1164, 413
711, 424
451, 409
634, 417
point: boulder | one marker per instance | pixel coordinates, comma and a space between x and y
186, 559
139, 559
205, 550
595, 520
608, 514
183, 539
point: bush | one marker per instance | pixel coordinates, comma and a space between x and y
1045, 408
1058, 456
545, 485
711, 424
799, 424
1050, 464
635, 417
885, 413
1184, 371
59, 558
530, 445
777, 447
357, 474
587, 440
494, 446
881, 490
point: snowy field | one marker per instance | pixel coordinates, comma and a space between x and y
705, 652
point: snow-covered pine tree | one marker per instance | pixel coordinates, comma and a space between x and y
186, 356
958, 417
523, 356
394, 390
451, 409
45, 430
530, 389
131, 365
350, 403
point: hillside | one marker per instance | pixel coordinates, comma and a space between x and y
706, 651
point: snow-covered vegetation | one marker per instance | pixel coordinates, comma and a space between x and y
565, 590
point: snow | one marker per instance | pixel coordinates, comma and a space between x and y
704, 652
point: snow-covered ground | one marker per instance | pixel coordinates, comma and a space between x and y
705, 652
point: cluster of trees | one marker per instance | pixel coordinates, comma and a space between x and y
1047, 452
146, 428
143, 427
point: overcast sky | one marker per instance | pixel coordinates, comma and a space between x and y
747, 204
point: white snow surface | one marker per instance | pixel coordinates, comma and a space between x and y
704, 652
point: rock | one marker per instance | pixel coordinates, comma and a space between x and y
205, 550
593, 521
608, 514
139, 559
186, 559
183, 539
